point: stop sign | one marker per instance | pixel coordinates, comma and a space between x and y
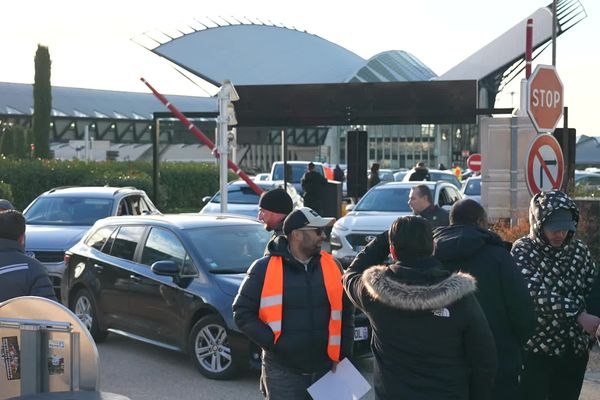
544, 98
474, 162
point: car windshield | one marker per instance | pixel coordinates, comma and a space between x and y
386, 199
438, 176
238, 195
473, 187
298, 171
68, 210
230, 249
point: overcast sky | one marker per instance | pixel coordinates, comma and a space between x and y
90, 42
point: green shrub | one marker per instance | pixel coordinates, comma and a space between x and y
6, 192
182, 185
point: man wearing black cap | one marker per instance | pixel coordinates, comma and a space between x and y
292, 305
559, 272
273, 207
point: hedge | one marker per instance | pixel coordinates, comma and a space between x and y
182, 185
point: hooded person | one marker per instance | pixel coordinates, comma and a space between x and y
430, 337
5, 205
560, 273
468, 246
421, 173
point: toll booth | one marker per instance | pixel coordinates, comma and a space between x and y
44, 350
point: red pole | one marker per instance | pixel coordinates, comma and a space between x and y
203, 138
528, 47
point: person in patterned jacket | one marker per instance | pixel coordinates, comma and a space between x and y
559, 272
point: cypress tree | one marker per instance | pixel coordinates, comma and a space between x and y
42, 102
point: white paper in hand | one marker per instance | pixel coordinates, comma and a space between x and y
346, 384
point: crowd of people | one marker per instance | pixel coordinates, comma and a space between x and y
458, 314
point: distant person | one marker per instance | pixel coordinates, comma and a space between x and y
5, 205
420, 200
313, 184
374, 176
421, 173
457, 172
468, 246
430, 337
273, 207
560, 273
19, 275
328, 171
338, 173
292, 304
442, 167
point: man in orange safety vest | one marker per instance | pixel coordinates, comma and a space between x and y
293, 306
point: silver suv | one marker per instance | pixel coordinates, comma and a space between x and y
376, 211
58, 218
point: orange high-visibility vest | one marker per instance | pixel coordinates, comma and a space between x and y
271, 300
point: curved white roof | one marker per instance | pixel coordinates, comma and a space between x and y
251, 54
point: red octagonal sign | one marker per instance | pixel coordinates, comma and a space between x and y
544, 98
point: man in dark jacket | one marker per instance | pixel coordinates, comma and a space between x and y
312, 183
430, 336
296, 321
468, 246
420, 201
560, 273
19, 275
421, 173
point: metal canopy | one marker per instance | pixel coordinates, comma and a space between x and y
379, 103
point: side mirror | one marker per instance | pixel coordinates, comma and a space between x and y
165, 268
205, 199
350, 207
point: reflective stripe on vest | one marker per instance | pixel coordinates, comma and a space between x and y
271, 300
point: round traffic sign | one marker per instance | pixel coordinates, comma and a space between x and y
544, 98
474, 162
544, 165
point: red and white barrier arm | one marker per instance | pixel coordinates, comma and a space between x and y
203, 138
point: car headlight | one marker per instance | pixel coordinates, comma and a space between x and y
335, 241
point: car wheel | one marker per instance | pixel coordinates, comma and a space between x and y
210, 350
84, 307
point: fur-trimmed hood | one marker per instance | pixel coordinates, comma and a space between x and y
387, 286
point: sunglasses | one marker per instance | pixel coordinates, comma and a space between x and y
319, 231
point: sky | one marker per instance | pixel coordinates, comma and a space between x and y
91, 42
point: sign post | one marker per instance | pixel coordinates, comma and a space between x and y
545, 95
474, 162
544, 165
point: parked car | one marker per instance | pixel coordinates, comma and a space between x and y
437, 175
168, 280
297, 170
399, 175
265, 176
376, 211
472, 188
58, 218
385, 175
242, 200
587, 180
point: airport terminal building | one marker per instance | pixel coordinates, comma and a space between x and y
121, 124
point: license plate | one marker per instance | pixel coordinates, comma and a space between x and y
361, 333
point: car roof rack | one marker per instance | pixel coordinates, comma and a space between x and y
59, 188
123, 188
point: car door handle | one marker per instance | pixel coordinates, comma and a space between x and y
135, 278
98, 267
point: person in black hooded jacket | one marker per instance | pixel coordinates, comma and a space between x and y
430, 337
467, 245
560, 274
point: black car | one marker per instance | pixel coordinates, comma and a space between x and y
170, 280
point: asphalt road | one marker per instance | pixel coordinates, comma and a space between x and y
142, 371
